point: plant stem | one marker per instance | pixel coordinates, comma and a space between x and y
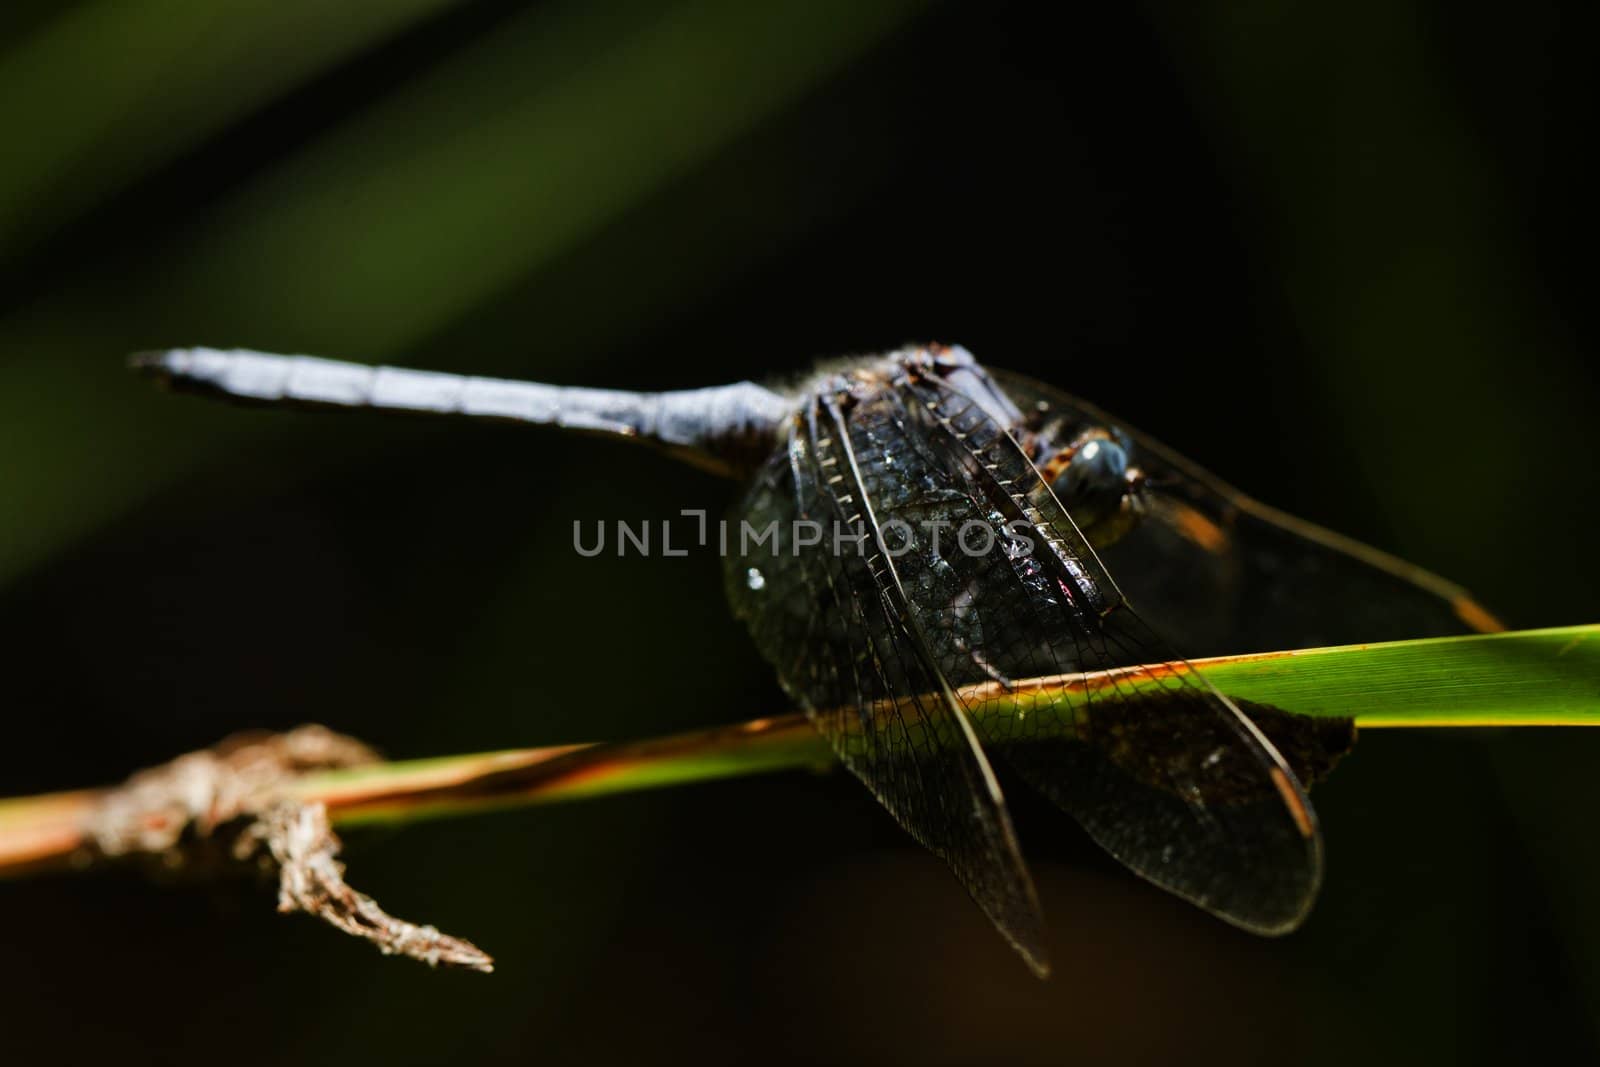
1526, 678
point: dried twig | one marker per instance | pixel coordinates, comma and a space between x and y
200, 791
235, 796
310, 879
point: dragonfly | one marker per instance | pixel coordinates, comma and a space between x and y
1056, 519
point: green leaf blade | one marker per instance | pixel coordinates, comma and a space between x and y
1522, 678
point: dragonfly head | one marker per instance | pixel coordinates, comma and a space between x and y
1097, 482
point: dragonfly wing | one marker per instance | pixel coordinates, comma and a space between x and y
1219, 572
1163, 771
838, 627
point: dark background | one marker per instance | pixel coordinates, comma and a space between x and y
1340, 254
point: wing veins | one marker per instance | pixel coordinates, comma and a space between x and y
1023, 929
1189, 681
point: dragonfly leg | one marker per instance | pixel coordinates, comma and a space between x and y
982, 663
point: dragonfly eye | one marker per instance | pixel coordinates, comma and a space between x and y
1098, 468
1097, 485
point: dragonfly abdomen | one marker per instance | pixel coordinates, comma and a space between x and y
726, 428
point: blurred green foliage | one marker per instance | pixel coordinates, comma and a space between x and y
375, 235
